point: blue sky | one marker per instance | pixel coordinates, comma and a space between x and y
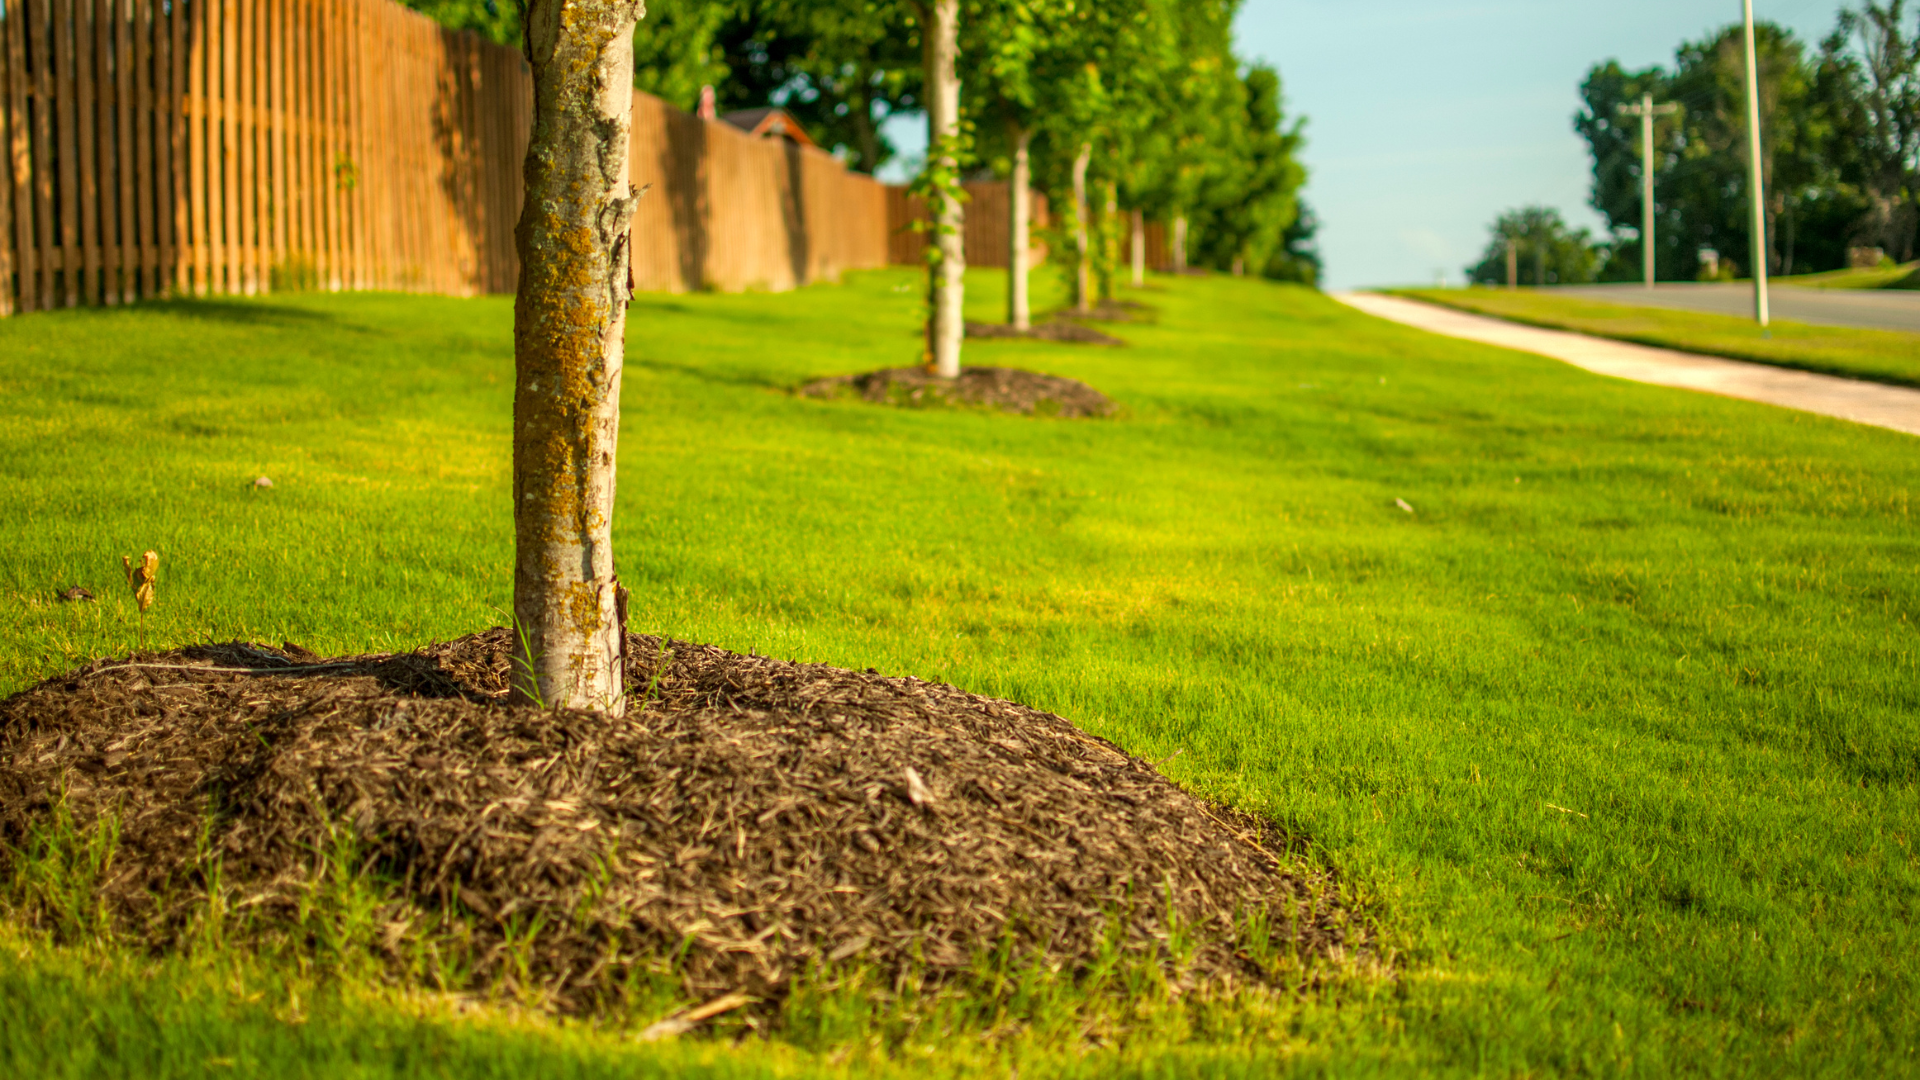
1426, 118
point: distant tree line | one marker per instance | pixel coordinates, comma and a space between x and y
1538, 247
1840, 147
1123, 106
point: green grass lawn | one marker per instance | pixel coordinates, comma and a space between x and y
1888, 356
1903, 276
1618, 729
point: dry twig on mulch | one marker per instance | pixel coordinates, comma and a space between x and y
753, 816
1007, 389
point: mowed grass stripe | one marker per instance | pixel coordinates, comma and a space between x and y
1618, 724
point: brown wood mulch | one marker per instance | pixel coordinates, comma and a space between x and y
755, 817
1055, 330
1006, 389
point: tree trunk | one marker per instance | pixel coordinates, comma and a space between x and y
1180, 243
948, 284
569, 324
1139, 249
1083, 270
1109, 240
866, 137
1020, 230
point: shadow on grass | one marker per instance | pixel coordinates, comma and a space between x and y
724, 377
238, 312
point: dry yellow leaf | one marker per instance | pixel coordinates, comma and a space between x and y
140, 578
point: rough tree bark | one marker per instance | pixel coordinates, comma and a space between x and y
1139, 249
1083, 268
569, 324
1020, 230
941, 23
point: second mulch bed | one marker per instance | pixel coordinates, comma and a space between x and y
751, 819
1006, 389
1056, 330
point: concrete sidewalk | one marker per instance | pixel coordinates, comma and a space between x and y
1849, 399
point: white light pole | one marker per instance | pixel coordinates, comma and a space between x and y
1646, 111
1758, 236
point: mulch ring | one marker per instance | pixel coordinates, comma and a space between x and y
1056, 330
1006, 389
753, 819
1126, 311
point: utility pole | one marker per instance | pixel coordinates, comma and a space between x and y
1646, 111
1513, 264
1757, 242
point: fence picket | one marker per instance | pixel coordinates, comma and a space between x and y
39, 49
237, 146
7, 111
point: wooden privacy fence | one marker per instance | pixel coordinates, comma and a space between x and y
989, 217
731, 210
157, 147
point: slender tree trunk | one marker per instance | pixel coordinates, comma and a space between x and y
948, 285
1020, 230
865, 136
1109, 240
1179, 243
1139, 249
569, 326
1083, 270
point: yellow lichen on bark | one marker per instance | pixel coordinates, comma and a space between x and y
569, 319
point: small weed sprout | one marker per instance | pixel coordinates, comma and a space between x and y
527, 663
140, 579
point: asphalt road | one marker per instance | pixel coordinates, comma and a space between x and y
1874, 309
1893, 407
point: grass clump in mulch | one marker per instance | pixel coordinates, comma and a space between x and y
1003, 389
749, 824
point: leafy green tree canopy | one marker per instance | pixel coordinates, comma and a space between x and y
1546, 250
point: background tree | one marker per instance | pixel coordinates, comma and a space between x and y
1614, 143
496, 20
1840, 132
569, 329
1548, 251
839, 67
678, 52
1298, 258
946, 155
1869, 81
1250, 206
1007, 50
1202, 114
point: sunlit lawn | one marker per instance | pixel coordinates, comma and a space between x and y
1618, 726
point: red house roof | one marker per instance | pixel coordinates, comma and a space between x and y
769, 123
